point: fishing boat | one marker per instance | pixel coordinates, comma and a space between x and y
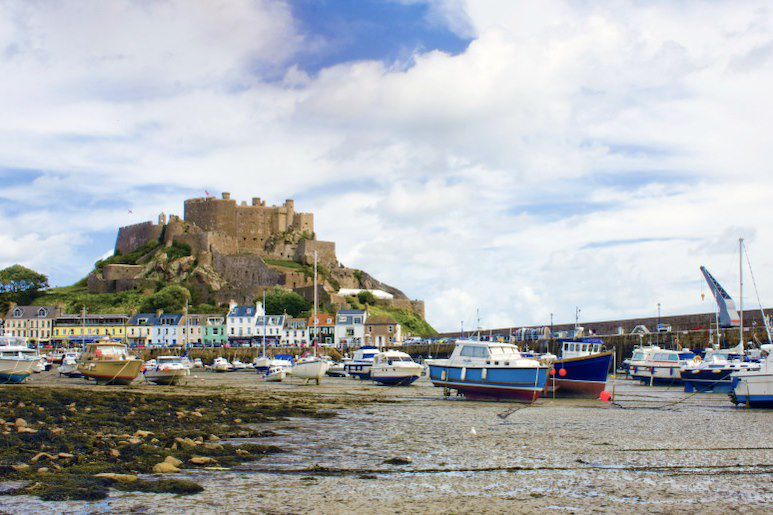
109, 363
489, 370
220, 364
660, 366
361, 362
754, 388
17, 360
713, 374
395, 368
167, 370
275, 374
69, 366
582, 369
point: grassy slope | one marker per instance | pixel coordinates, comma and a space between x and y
75, 297
411, 322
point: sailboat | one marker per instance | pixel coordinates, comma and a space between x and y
312, 367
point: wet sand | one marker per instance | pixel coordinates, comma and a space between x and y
554, 456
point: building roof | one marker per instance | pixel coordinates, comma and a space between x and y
351, 312
381, 320
151, 319
21, 312
270, 320
244, 311
323, 320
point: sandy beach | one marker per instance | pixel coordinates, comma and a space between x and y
645, 455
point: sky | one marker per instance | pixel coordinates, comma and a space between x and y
517, 158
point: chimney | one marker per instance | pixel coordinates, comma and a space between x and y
231, 305
259, 308
256, 201
159, 312
226, 195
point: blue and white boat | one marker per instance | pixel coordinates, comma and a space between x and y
489, 370
654, 365
17, 360
713, 374
361, 362
395, 368
582, 369
754, 388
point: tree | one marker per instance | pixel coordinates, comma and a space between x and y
172, 299
279, 300
19, 284
367, 297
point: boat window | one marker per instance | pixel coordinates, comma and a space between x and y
468, 351
637, 356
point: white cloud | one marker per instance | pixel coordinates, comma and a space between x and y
472, 181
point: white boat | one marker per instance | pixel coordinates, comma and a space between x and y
69, 366
238, 365
654, 365
311, 368
40, 366
17, 360
221, 365
395, 368
754, 388
361, 362
197, 363
262, 363
275, 374
337, 368
167, 370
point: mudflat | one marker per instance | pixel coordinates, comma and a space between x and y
346, 446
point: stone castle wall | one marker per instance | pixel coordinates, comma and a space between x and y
326, 252
132, 237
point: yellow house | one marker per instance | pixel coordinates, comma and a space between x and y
79, 328
139, 329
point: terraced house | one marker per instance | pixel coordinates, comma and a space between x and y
85, 328
139, 329
35, 323
322, 329
214, 331
350, 328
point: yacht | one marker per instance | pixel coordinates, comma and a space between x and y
654, 365
69, 366
17, 360
713, 374
275, 374
486, 370
221, 364
395, 368
310, 368
361, 362
582, 369
109, 362
754, 388
167, 370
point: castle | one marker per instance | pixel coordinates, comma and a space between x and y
236, 251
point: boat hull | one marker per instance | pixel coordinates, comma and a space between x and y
753, 389
275, 377
657, 374
310, 370
15, 370
358, 370
708, 380
395, 380
167, 377
584, 376
524, 384
112, 372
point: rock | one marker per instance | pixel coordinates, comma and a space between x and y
213, 446
57, 430
21, 467
399, 460
165, 468
135, 441
20, 422
25, 429
115, 453
214, 438
39, 456
142, 434
155, 441
237, 421
117, 478
242, 453
185, 442
65, 456
43, 470
180, 414
173, 461
196, 414
203, 460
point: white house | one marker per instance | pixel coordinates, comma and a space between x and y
350, 328
167, 331
296, 333
272, 325
242, 321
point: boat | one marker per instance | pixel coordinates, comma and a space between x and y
109, 362
40, 366
489, 370
197, 363
395, 368
654, 365
167, 370
337, 368
361, 362
754, 387
262, 364
275, 374
220, 364
17, 360
238, 365
582, 369
69, 366
312, 368
713, 374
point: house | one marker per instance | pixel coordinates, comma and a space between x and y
168, 331
322, 328
35, 323
272, 326
383, 331
241, 321
139, 329
350, 328
296, 333
193, 330
83, 328
214, 331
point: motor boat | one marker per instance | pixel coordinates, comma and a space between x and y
713, 374
109, 362
395, 368
361, 362
582, 369
262, 364
654, 365
489, 370
310, 368
167, 370
238, 365
336, 368
754, 388
17, 360
69, 366
275, 374
221, 364
197, 363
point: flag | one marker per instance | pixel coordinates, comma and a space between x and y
206, 193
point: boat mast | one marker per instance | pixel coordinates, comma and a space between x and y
740, 275
187, 329
477, 311
83, 327
264, 323
316, 318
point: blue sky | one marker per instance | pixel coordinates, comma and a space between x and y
516, 157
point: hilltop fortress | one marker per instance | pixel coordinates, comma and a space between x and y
232, 251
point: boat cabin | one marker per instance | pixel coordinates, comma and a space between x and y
578, 349
106, 351
390, 357
485, 351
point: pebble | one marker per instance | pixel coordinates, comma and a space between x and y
118, 478
165, 468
